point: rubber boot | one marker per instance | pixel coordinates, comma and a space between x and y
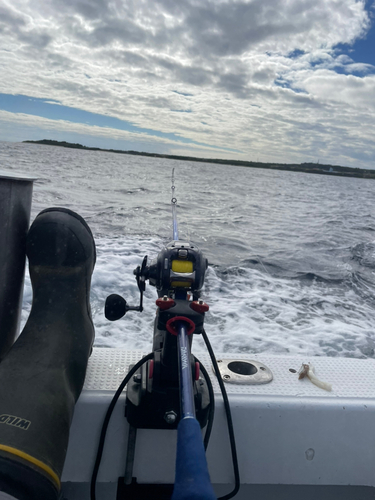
43, 373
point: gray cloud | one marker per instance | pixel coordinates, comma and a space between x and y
259, 75
10, 19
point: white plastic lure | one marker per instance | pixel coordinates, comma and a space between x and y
307, 370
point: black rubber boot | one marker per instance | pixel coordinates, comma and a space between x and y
43, 373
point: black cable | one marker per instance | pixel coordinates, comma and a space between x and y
229, 420
209, 423
106, 422
211, 413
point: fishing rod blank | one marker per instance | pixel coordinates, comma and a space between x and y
185, 375
174, 210
192, 481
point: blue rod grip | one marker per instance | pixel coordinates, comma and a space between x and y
192, 481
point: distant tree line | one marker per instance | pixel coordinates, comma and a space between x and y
310, 168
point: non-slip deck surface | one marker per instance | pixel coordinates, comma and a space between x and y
350, 378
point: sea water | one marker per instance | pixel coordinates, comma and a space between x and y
291, 255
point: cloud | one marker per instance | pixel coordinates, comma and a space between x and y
21, 127
255, 75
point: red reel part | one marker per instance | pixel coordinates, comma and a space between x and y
165, 303
199, 306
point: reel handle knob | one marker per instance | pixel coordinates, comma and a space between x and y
115, 307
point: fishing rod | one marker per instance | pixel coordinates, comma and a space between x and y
169, 388
174, 210
192, 477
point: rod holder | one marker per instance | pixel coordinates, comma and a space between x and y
15, 207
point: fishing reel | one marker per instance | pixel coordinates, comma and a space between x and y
178, 274
178, 269
179, 266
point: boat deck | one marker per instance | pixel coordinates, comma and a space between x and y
290, 433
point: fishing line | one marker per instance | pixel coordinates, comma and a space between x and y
174, 210
260, 260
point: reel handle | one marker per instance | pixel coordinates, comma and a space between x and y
116, 307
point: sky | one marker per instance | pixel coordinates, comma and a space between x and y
286, 81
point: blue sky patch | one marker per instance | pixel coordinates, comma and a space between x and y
53, 110
296, 53
363, 50
182, 93
280, 82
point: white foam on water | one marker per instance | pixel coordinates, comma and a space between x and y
116, 261
253, 312
313, 294
250, 311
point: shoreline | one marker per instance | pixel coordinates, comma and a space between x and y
309, 168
